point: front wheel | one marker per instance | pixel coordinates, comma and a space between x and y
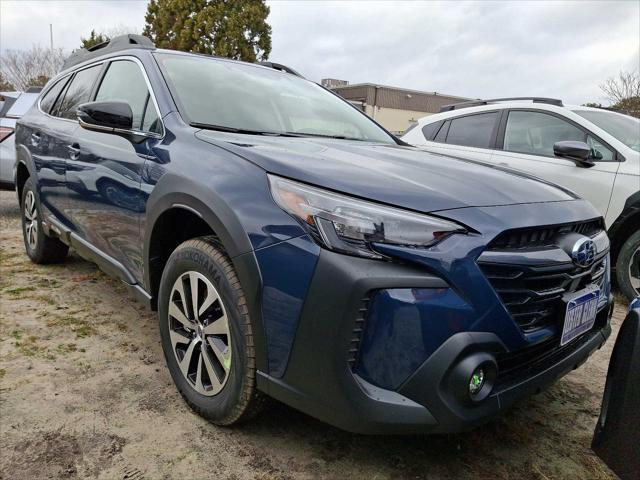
206, 333
628, 267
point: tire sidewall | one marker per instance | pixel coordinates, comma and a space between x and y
34, 254
622, 265
222, 405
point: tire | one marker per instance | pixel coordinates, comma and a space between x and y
628, 266
40, 248
218, 381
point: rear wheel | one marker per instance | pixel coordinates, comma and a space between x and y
628, 266
206, 333
39, 247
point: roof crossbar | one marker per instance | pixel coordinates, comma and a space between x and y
478, 102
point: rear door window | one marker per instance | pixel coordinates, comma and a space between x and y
473, 130
78, 92
50, 97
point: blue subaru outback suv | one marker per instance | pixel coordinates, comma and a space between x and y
294, 248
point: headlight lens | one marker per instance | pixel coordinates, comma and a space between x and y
349, 225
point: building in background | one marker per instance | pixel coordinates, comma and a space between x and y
393, 108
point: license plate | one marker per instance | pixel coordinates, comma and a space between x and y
580, 314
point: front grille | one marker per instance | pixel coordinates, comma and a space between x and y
358, 329
543, 236
533, 295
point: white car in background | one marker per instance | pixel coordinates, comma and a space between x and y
12, 106
593, 152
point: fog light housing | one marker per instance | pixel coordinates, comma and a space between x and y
471, 380
477, 381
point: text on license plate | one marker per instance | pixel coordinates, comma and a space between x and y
580, 315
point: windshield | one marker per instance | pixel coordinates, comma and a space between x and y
622, 127
253, 99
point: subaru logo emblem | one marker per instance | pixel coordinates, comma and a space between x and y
583, 252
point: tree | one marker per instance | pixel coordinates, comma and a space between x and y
93, 39
229, 28
4, 85
24, 68
96, 38
623, 92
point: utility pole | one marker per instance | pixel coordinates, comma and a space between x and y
53, 67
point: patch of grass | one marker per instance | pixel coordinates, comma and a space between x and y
80, 327
46, 299
16, 334
49, 283
3, 372
65, 348
122, 327
29, 347
18, 290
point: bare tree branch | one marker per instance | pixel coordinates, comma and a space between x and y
621, 88
24, 68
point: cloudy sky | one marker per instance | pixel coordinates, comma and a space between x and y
557, 49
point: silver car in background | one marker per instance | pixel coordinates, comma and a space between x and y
13, 105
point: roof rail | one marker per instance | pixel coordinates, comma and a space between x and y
121, 42
478, 102
282, 68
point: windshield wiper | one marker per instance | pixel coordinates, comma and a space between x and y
223, 128
320, 135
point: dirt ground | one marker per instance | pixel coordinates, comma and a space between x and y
84, 393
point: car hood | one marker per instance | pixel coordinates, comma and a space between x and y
391, 174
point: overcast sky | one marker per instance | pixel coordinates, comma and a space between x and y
556, 49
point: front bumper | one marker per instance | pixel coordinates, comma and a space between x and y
322, 379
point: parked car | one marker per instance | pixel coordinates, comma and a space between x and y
14, 105
294, 248
616, 439
593, 152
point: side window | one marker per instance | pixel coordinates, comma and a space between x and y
599, 151
50, 97
124, 82
78, 91
441, 136
535, 133
429, 131
473, 130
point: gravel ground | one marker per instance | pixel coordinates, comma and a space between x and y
84, 393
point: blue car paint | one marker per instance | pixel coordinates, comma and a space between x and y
405, 326
223, 177
287, 270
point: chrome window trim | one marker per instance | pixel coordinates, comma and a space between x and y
136, 60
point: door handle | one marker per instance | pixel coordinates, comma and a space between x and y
35, 139
74, 151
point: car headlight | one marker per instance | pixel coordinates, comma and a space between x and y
352, 226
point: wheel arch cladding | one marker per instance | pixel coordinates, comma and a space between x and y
226, 228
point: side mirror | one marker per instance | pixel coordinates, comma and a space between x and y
579, 152
115, 117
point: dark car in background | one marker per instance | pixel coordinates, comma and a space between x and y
294, 248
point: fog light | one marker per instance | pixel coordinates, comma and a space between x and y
477, 381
